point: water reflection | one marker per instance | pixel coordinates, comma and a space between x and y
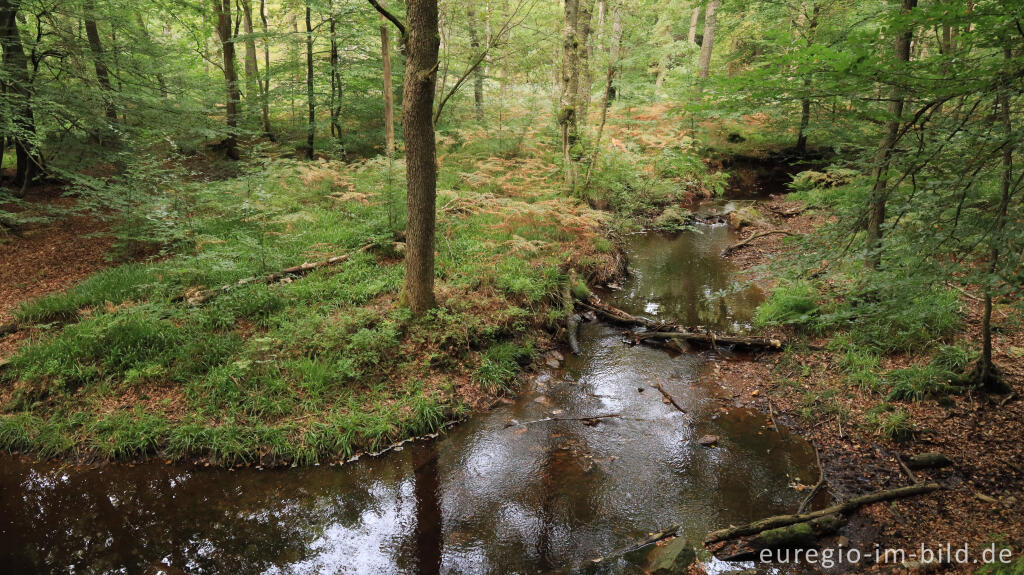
495, 496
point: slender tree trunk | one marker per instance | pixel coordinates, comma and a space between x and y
420, 152
708, 42
987, 373
19, 92
585, 51
805, 101
478, 73
694, 21
222, 8
161, 82
567, 118
613, 65
310, 94
265, 92
96, 47
880, 189
336, 87
389, 91
253, 85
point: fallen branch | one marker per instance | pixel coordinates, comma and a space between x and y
928, 460
650, 540
788, 213
588, 419
844, 508
711, 339
817, 486
669, 397
616, 315
294, 271
757, 236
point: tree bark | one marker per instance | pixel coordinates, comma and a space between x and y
265, 92
389, 94
222, 9
478, 72
421, 154
694, 20
567, 118
96, 47
19, 90
805, 101
336, 87
310, 94
708, 42
253, 85
584, 51
880, 189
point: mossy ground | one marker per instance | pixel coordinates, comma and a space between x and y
319, 367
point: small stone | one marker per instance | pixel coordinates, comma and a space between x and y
708, 440
640, 389
552, 362
843, 542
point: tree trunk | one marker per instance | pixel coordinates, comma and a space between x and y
222, 9
708, 42
988, 375
694, 20
880, 191
805, 101
585, 51
336, 87
478, 73
253, 85
389, 93
570, 88
19, 91
96, 47
421, 154
613, 64
310, 94
265, 92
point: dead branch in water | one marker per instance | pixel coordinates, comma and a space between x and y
843, 508
668, 397
756, 236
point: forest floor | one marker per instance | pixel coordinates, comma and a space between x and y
808, 391
142, 360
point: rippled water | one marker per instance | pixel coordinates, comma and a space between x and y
496, 495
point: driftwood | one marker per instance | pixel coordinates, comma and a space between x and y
756, 236
294, 271
666, 331
843, 508
589, 420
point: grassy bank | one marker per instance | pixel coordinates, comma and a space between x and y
318, 367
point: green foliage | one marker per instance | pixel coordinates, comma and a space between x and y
501, 363
892, 423
793, 303
918, 383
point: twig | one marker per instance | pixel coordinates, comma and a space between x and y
747, 241
1008, 398
817, 486
668, 396
903, 466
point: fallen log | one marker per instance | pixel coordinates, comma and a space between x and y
294, 271
711, 339
797, 536
928, 460
616, 315
843, 508
749, 240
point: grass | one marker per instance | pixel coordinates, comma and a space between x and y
315, 369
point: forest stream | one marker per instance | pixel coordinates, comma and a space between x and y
501, 492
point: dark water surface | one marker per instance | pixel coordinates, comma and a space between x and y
493, 496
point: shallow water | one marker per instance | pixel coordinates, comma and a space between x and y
496, 495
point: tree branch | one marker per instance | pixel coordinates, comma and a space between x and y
391, 17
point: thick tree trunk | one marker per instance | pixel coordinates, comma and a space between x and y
478, 73
708, 42
880, 189
389, 92
694, 21
19, 92
421, 155
253, 85
265, 92
584, 51
310, 94
222, 9
102, 75
567, 115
